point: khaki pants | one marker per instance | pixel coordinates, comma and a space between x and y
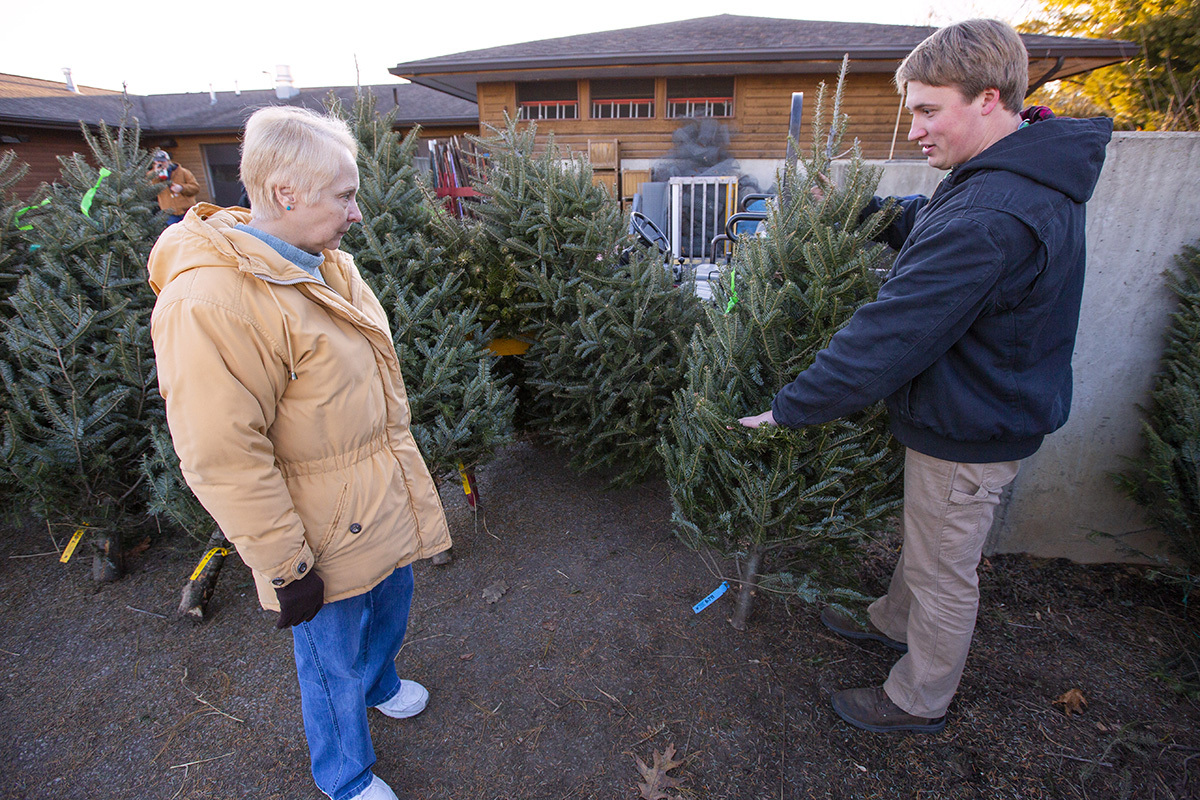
934, 595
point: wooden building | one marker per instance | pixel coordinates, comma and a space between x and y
632, 88
40, 120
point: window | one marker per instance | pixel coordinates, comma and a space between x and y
548, 100
699, 97
615, 98
222, 161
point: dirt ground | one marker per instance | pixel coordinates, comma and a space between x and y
590, 659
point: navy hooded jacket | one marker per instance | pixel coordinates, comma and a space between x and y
970, 338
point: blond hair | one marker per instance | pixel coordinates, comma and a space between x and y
971, 56
289, 146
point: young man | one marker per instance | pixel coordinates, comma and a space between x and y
179, 189
969, 343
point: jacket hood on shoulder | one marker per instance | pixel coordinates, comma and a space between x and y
1063, 154
207, 237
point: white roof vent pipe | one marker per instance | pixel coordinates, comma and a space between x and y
71, 87
284, 89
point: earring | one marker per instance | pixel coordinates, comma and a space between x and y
289, 208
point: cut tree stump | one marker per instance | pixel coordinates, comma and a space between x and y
108, 562
199, 589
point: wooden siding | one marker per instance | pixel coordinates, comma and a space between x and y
494, 101
441, 132
41, 154
758, 129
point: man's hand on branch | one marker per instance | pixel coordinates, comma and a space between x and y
765, 418
820, 187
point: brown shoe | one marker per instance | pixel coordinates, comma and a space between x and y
872, 710
843, 625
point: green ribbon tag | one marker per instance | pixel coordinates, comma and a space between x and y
733, 298
17, 215
85, 205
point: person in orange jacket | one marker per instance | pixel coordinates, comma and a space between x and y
290, 418
180, 187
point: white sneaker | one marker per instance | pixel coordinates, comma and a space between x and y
376, 790
408, 702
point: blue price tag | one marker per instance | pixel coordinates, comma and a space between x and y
708, 601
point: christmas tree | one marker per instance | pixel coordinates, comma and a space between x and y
608, 361
79, 368
14, 252
787, 505
541, 217
1166, 479
461, 410
550, 258
13, 248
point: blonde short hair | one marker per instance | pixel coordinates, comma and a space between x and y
971, 56
289, 146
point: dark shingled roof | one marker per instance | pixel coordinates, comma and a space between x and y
724, 37
721, 39
66, 112
196, 113
24, 86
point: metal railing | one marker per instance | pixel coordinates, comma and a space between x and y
548, 109
700, 206
631, 108
699, 107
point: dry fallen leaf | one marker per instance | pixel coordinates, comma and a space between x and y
495, 591
657, 781
1072, 701
466, 656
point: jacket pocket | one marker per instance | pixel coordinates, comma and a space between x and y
339, 510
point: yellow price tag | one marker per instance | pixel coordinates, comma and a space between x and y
222, 551
462, 473
71, 545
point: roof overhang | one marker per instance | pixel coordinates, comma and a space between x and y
55, 124
459, 78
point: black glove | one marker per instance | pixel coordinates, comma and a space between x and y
300, 600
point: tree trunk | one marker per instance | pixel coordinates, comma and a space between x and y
745, 599
198, 591
108, 562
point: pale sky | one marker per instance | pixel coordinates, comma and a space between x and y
187, 47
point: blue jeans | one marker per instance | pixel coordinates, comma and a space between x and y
173, 218
346, 662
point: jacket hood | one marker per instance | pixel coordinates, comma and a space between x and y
1063, 154
208, 237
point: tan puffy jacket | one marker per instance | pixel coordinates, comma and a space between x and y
287, 409
173, 203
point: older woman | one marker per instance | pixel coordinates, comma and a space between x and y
289, 415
